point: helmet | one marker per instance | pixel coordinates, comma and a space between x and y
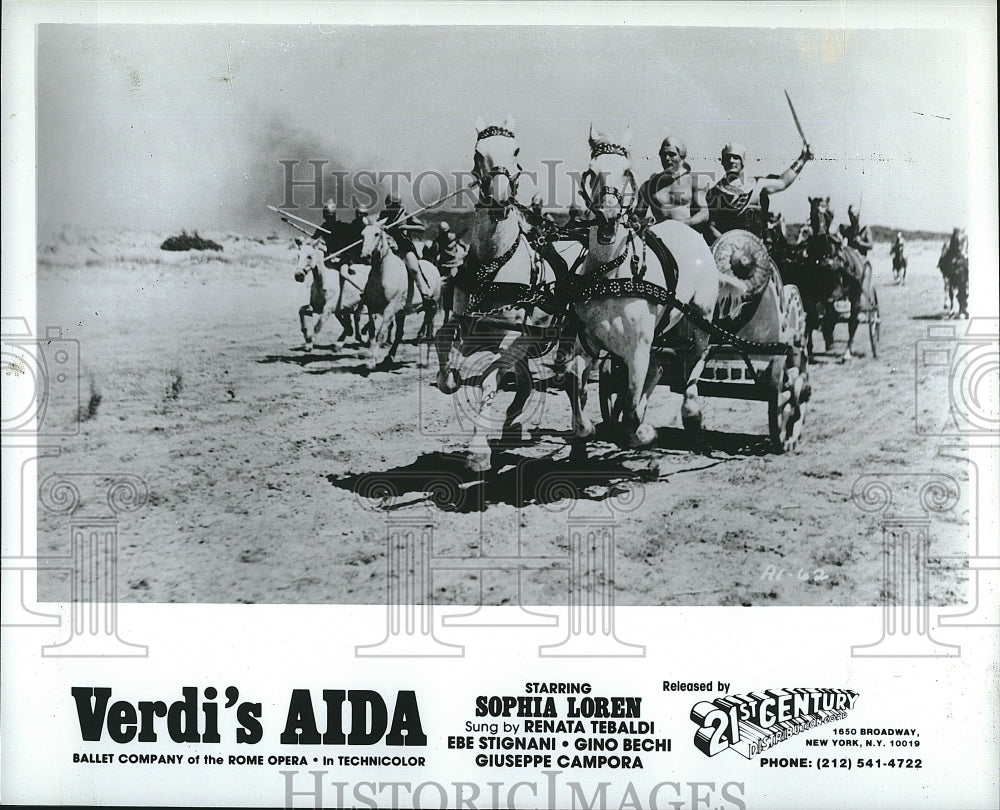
678, 144
362, 210
443, 227
392, 201
733, 148
536, 200
330, 209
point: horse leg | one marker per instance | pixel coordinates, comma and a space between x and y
963, 298
515, 359
852, 326
578, 371
306, 311
446, 342
344, 319
641, 379
397, 337
479, 456
427, 327
380, 323
691, 413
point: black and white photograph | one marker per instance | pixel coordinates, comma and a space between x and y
312, 292
438, 309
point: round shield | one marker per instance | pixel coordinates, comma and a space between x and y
743, 255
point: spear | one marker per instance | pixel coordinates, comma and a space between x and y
285, 215
401, 220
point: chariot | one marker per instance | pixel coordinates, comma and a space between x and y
757, 346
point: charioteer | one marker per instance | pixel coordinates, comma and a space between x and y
738, 201
674, 193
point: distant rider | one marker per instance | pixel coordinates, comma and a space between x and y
401, 228
857, 236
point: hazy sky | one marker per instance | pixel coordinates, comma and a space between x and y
166, 127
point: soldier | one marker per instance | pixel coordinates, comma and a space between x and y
737, 201
399, 227
898, 251
333, 233
857, 236
674, 193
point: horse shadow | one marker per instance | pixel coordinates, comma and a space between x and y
935, 316
710, 442
333, 353
443, 481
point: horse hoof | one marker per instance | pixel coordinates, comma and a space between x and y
308, 347
447, 381
478, 462
645, 435
847, 355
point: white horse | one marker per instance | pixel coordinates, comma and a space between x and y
499, 269
625, 324
390, 295
331, 292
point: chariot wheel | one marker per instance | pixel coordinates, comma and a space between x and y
787, 404
874, 322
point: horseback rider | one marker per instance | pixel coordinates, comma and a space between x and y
334, 234
738, 201
955, 248
450, 254
400, 228
353, 232
857, 236
674, 193
898, 245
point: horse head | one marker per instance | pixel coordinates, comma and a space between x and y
608, 185
308, 259
374, 239
495, 167
832, 271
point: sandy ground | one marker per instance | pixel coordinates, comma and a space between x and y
191, 379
